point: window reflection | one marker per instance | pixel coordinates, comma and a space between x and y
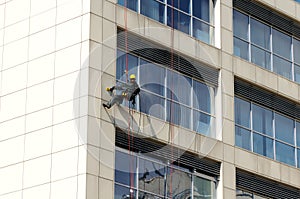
179, 183
240, 25
284, 129
131, 4
203, 188
152, 105
262, 120
282, 67
203, 123
178, 114
183, 5
241, 48
260, 34
263, 145
203, 97
122, 192
296, 44
285, 153
125, 168
156, 12
179, 21
243, 138
242, 112
201, 9
201, 30
282, 44
260, 57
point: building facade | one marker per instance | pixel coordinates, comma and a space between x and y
218, 114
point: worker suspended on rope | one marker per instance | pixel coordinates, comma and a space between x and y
123, 90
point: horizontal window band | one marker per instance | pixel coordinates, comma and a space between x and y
161, 55
167, 152
269, 16
263, 186
265, 98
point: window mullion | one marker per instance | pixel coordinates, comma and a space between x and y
274, 136
295, 145
249, 40
251, 127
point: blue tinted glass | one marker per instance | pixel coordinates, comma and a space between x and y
281, 44
121, 65
284, 129
297, 73
263, 145
183, 5
123, 192
152, 77
131, 4
153, 9
242, 112
178, 114
298, 158
201, 9
261, 57
203, 187
203, 123
179, 87
262, 120
179, 21
152, 105
241, 48
151, 176
242, 138
298, 134
285, 153
240, 25
282, 67
296, 44
201, 30
203, 97
260, 34
125, 168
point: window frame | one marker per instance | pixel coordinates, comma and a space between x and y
273, 136
291, 74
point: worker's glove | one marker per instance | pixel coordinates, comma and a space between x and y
124, 94
110, 89
107, 89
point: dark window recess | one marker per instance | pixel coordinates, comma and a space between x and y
161, 55
267, 99
263, 186
269, 16
167, 153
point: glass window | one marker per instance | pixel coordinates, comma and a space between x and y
298, 158
124, 192
201, 30
297, 73
260, 34
281, 44
285, 153
125, 168
203, 188
201, 9
131, 4
178, 114
179, 183
282, 67
203, 123
241, 48
151, 177
240, 194
153, 9
260, 57
284, 129
262, 120
296, 44
240, 25
152, 105
183, 5
243, 138
179, 87
298, 134
121, 65
154, 82
180, 20
242, 112
263, 145
203, 97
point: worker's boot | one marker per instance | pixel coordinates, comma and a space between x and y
106, 106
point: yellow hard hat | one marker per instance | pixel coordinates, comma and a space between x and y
132, 76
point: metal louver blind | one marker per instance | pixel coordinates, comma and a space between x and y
260, 185
273, 18
161, 55
167, 152
267, 99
